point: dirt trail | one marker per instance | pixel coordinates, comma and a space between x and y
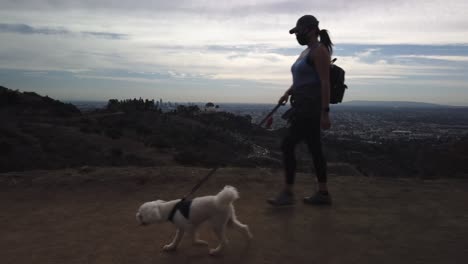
88, 216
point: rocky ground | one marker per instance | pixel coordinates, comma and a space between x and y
87, 215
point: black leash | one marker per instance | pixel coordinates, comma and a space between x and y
199, 184
212, 171
184, 204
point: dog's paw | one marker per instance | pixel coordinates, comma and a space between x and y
247, 233
169, 247
200, 243
214, 252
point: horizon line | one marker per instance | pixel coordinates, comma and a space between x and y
262, 103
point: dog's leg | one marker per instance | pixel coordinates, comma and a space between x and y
195, 240
241, 227
173, 245
220, 232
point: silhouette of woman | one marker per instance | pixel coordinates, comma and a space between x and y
310, 98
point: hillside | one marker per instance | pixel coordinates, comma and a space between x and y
41, 133
15, 103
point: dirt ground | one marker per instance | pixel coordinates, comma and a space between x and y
88, 216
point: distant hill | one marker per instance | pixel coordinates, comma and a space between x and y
392, 104
32, 104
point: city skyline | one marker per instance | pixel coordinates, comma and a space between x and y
230, 52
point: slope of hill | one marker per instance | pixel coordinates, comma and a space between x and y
31, 104
41, 133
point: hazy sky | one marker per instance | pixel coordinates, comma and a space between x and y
230, 51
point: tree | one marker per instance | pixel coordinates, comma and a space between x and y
113, 105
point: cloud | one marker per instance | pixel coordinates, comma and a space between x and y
117, 78
377, 42
267, 21
106, 35
367, 52
436, 57
27, 29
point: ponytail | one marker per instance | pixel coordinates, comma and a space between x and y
325, 40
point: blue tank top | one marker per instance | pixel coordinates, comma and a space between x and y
306, 81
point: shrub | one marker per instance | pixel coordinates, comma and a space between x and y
85, 129
113, 132
5, 147
116, 152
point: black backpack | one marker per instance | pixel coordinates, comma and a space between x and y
337, 85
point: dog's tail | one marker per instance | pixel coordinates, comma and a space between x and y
226, 196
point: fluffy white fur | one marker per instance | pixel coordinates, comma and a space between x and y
218, 210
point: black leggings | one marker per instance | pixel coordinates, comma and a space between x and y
307, 129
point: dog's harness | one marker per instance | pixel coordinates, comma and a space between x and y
184, 208
184, 204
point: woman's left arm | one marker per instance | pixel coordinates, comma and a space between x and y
322, 65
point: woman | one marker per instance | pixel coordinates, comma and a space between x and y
310, 98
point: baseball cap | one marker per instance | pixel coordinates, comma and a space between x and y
304, 22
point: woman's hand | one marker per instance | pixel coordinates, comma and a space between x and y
325, 121
283, 99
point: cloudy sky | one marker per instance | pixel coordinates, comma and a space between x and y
230, 51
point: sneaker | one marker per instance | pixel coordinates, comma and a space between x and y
284, 198
318, 199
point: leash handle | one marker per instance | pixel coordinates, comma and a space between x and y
270, 114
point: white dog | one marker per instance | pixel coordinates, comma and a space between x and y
188, 215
